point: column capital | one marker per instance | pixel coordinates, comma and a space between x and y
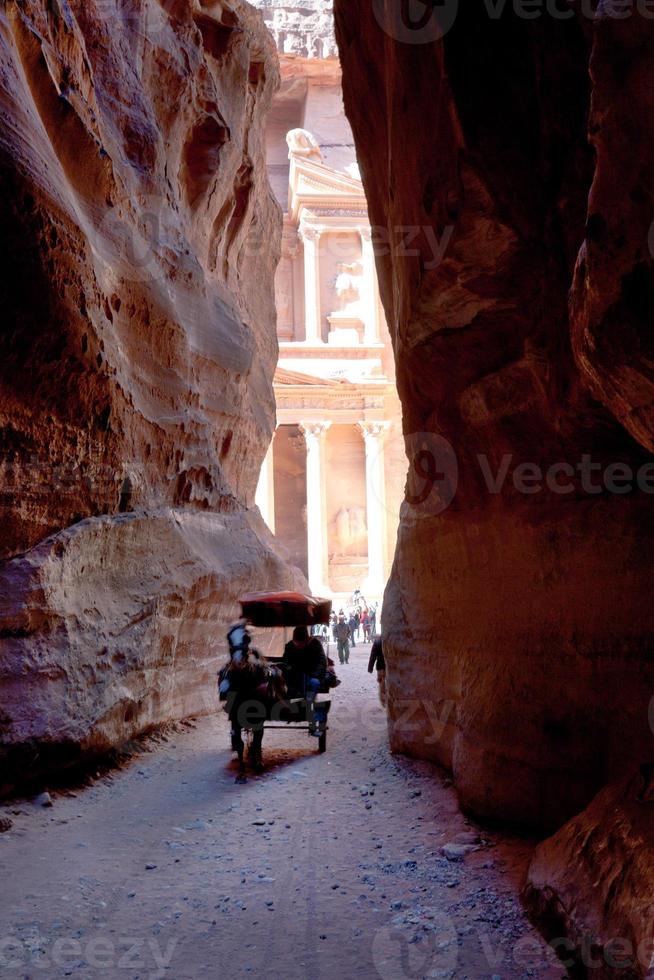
317, 429
309, 233
375, 429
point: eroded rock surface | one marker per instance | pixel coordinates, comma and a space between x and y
117, 623
512, 215
139, 240
590, 886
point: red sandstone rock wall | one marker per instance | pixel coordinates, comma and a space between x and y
138, 242
519, 623
591, 888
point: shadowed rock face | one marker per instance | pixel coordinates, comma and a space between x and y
517, 154
139, 240
590, 886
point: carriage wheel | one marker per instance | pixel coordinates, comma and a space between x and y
322, 743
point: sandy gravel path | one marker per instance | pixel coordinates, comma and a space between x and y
326, 866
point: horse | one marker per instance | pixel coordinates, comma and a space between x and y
249, 686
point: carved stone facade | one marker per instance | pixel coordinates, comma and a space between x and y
335, 504
303, 29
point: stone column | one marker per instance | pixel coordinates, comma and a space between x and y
265, 496
311, 238
374, 434
314, 435
370, 292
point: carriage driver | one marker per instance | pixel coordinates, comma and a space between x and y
306, 670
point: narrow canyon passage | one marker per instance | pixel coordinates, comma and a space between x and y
326, 866
258, 268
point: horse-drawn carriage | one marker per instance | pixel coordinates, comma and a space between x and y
257, 690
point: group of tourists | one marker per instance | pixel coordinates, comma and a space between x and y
343, 634
357, 625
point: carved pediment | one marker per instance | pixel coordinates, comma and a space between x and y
285, 377
313, 184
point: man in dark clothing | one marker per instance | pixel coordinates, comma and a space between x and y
342, 637
304, 656
306, 669
354, 625
377, 660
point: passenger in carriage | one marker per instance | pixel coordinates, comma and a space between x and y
305, 669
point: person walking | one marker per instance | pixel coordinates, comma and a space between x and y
377, 660
353, 623
365, 625
342, 636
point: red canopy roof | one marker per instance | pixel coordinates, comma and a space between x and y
284, 609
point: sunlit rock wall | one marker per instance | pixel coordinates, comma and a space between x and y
139, 240
509, 163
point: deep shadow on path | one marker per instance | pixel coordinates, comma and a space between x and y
327, 866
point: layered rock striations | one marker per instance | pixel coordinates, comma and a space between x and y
507, 163
139, 240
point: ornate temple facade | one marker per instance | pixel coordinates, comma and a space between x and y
332, 482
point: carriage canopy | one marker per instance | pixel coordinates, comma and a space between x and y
284, 609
